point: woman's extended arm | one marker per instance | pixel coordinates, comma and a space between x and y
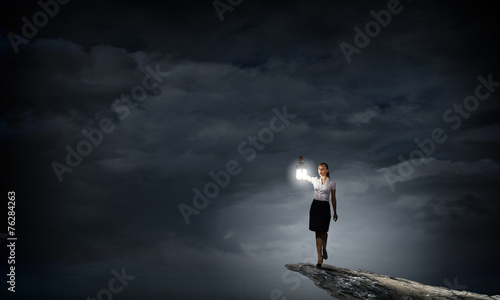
334, 205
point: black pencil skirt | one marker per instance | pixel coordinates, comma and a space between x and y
319, 216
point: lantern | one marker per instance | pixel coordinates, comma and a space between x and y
301, 171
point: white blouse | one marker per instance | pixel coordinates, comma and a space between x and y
322, 190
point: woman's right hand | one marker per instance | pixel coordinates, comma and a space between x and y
301, 158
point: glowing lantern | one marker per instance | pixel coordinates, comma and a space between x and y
301, 171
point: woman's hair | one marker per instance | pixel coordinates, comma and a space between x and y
326, 166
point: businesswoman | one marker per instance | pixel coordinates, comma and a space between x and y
319, 214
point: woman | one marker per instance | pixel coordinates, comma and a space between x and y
319, 214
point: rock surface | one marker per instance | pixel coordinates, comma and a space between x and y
360, 284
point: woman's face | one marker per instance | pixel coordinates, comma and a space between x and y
322, 170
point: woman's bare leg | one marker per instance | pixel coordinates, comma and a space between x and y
319, 244
324, 238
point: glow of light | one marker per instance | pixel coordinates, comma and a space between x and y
301, 172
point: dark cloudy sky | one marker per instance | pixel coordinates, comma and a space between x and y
433, 219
